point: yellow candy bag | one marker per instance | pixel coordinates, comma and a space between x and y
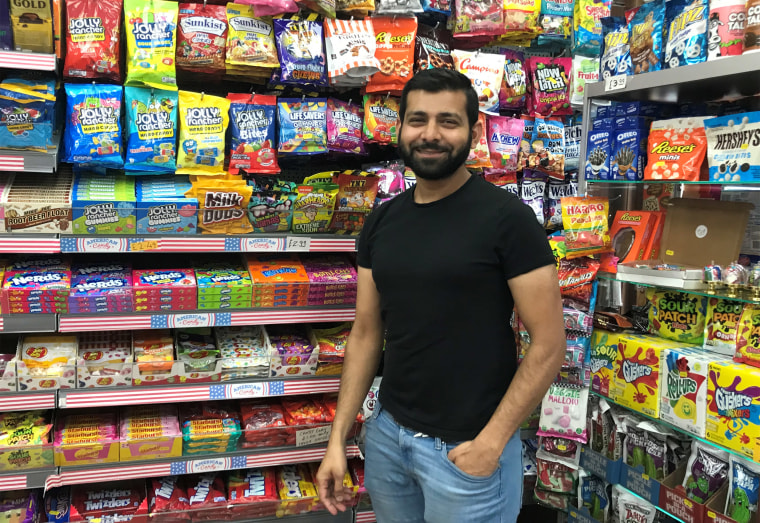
313, 210
250, 39
223, 206
151, 43
203, 123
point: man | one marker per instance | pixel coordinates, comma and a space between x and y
440, 268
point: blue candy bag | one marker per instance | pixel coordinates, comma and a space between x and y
686, 31
744, 491
616, 53
557, 7
93, 127
645, 36
152, 128
27, 118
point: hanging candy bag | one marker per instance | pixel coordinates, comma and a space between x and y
504, 135
93, 125
152, 130
303, 125
645, 34
486, 72
513, 87
587, 27
585, 69
395, 37
92, 39
686, 32
202, 38
250, 39
550, 86
479, 157
381, 119
271, 7
151, 42
431, 52
223, 204
350, 46
324, 7
676, 149
252, 133
744, 490
484, 18
563, 412
548, 148
344, 127
299, 47
616, 52
202, 126
586, 226
521, 18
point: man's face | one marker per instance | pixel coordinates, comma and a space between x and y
436, 138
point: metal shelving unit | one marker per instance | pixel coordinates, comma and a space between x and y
25, 480
27, 60
30, 161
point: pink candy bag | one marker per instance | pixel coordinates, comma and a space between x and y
271, 7
563, 412
504, 135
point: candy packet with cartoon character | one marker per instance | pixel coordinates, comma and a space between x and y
271, 211
616, 51
744, 490
706, 472
301, 53
313, 209
725, 28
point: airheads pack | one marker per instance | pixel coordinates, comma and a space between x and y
733, 407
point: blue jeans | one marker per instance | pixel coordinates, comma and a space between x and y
411, 479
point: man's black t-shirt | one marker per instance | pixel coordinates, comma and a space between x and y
441, 269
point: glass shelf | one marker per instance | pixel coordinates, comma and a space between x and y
742, 296
673, 427
657, 506
641, 182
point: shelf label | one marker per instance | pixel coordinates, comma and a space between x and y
179, 321
247, 390
615, 83
312, 436
261, 245
298, 244
207, 465
101, 245
147, 245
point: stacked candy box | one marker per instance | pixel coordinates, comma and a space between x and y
25, 441
209, 428
206, 496
149, 432
223, 286
46, 361
292, 351
332, 280
103, 204
37, 286
101, 288
244, 352
87, 437
165, 290
252, 493
278, 281
153, 354
162, 207
297, 488
104, 359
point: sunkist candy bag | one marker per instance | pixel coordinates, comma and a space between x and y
92, 39
504, 135
725, 28
202, 126
344, 127
252, 133
394, 37
381, 119
686, 32
585, 221
93, 125
587, 27
676, 149
151, 27
250, 39
303, 125
299, 47
616, 53
479, 157
202, 38
152, 130
645, 34
223, 205
485, 71
550, 85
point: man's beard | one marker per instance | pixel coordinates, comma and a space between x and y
434, 169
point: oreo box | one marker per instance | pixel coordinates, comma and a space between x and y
103, 217
167, 216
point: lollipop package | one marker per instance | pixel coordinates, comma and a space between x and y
151, 27
93, 124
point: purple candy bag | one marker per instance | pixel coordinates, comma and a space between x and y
706, 472
513, 87
302, 56
19, 506
344, 127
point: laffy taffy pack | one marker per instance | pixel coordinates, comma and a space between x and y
733, 407
203, 123
93, 125
677, 316
151, 27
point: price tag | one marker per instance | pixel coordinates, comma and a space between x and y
615, 83
147, 245
298, 244
312, 436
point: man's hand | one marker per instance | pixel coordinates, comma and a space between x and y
475, 458
330, 480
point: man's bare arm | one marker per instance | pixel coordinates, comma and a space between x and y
539, 304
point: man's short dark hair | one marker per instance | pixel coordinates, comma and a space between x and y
439, 80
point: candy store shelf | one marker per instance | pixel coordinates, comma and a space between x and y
27, 60
29, 243
30, 161
741, 297
731, 77
365, 516
208, 243
673, 427
27, 323
191, 464
149, 320
146, 395
15, 401
25, 480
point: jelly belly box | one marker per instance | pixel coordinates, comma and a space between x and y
733, 406
637, 372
